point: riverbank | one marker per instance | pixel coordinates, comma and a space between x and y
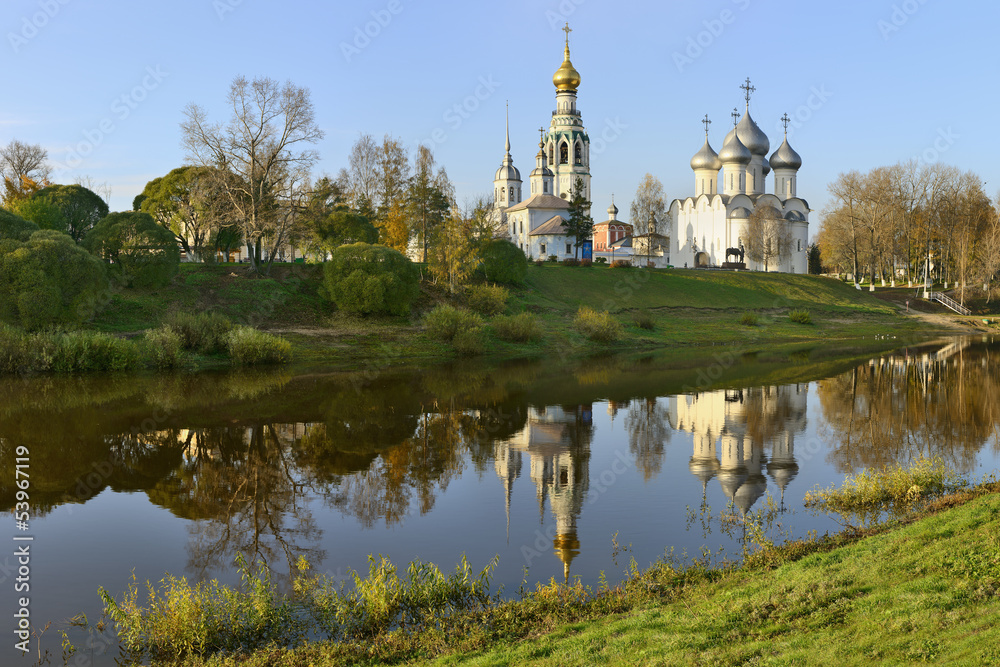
656, 308
924, 589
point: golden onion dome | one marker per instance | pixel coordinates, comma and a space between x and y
566, 77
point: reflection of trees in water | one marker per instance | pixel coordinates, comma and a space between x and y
899, 408
649, 429
239, 487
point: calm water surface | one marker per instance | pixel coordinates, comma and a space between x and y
546, 466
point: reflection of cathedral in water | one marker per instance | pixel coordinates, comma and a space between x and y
556, 442
731, 431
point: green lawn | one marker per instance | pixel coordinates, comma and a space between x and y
929, 592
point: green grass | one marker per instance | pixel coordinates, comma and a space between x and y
923, 591
669, 308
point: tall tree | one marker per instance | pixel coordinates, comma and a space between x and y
429, 199
24, 168
80, 208
649, 206
186, 201
263, 154
579, 224
364, 172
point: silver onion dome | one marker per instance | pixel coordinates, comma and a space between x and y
767, 167
735, 150
706, 158
785, 157
752, 136
507, 172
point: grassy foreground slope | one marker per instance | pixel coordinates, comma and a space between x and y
927, 592
679, 307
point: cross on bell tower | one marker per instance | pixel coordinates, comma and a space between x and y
736, 116
706, 122
785, 120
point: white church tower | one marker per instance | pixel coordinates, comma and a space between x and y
507, 182
567, 143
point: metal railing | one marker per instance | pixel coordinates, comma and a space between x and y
948, 302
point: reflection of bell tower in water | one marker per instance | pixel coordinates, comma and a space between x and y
557, 442
730, 430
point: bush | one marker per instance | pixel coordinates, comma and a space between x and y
800, 317
368, 279
503, 262
249, 347
15, 227
601, 260
204, 332
49, 281
586, 262
164, 347
487, 299
445, 322
139, 252
79, 351
600, 327
519, 328
644, 320
539, 262
470, 342
553, 258
571, 261
749, 319
621, 264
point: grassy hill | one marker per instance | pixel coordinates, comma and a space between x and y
679, 307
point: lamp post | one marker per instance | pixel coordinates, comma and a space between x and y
927, 276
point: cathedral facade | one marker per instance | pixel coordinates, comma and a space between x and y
732, 210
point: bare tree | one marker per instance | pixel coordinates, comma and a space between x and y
648, 211
768, 236
102, 190
363, 176
20, 161
262, 152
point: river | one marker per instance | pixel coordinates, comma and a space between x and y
562, 469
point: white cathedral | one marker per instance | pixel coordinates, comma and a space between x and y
708, 224
701, 228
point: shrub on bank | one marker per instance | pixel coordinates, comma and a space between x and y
249, 347
138, 252
519, 328
800, 317
644, 320
470, 342
202, 332
599, 327
368, 279
487, 300
82, 351
503, 262
445, 322
621, 264
749, 319
164, 348
571, 261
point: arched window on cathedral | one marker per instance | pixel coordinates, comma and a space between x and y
564, 153
579, 153
551, 159
512, 194
502, 194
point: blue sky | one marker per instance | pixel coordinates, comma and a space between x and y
103, 85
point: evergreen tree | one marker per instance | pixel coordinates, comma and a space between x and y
580, 224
